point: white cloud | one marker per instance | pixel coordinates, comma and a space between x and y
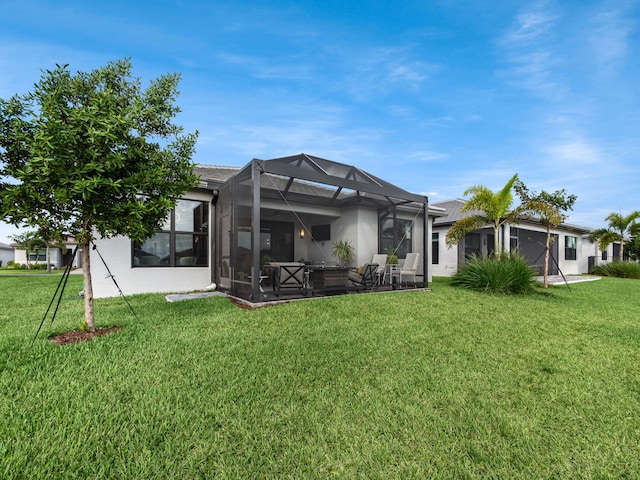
380, 71
530, 52
573, 153
529, 26
609, 34
426, 156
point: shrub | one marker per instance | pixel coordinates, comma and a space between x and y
508, 274
618, 269
38, 266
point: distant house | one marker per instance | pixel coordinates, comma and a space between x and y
227, 231
58, 257
6, 253
570, 250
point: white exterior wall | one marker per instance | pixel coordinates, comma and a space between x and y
591, 249
117, 253
20, 256
6, 254
448, 262
345, 228
367, 237
569, 267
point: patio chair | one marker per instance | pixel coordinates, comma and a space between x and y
366, 277
381, 260
288, 276
408, 269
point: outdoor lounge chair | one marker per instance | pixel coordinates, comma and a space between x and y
288, 276
366, 277
408, 269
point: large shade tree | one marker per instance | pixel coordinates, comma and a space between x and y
93, 154
549, 209
619, 226
489, 208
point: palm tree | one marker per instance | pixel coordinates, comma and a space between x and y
619, 225
492, 208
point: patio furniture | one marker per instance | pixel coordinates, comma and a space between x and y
365, 277
381, 260
288, 276
326, 278
408, 268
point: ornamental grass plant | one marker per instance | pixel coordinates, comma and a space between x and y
507, 274
626, 269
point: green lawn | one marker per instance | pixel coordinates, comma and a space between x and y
441, 384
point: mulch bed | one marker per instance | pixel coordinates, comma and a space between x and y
76, 336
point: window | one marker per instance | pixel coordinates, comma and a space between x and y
41, 256
514, 240
435, 248
182, 242
616, 250
569, 248
395, 236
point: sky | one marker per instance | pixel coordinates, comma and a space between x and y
433, 96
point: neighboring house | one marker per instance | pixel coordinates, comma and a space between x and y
595, 256
6, 254
570, 250
58, 257
286, 209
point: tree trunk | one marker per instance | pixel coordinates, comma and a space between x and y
496, 242
48, 259
621, 246
88, 287
547, 246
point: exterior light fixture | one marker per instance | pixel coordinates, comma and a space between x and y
302, 233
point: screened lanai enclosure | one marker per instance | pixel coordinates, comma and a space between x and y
288, 211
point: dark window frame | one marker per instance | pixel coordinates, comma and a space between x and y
570, 251
435, 248
173, 259
40, 256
